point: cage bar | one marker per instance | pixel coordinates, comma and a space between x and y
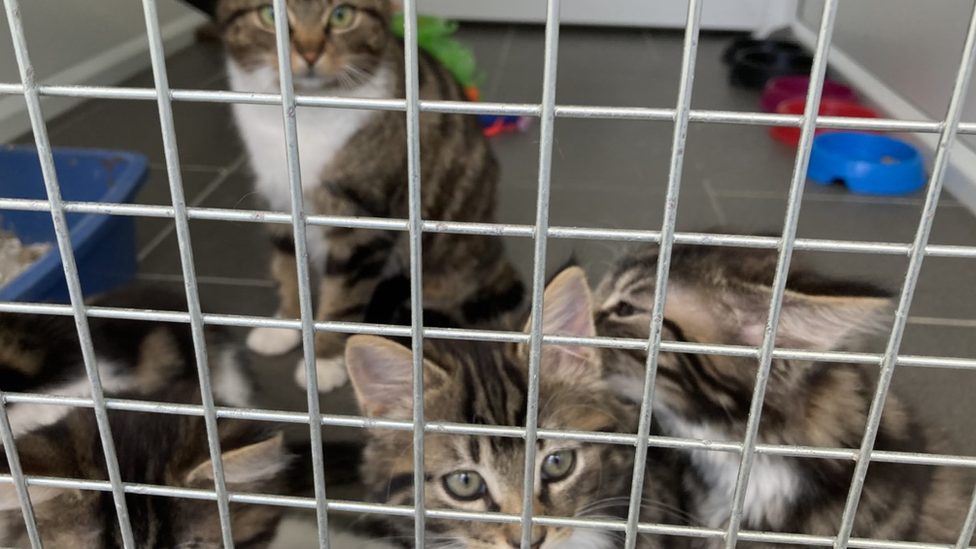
71, 276
918, 361
548, 120
289, 111
415, 222
497, 229
685, 85
184, 243
520, 109
817, 74
941, 164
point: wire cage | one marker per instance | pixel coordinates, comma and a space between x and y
540, 232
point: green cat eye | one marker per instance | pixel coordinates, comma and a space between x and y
465, 485
558, 465
342, 16
266, 14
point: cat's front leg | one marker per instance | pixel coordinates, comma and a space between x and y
278, 341
354, 266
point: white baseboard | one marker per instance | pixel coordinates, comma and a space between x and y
960, 179
105, 69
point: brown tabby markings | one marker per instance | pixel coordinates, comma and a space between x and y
42, 354
721, 295
466, 277
486, 383
152, 448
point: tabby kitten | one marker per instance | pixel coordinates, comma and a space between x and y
152, 448
41, 354
486, 383
721, 295
354, 162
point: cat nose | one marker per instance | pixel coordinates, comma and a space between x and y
536, 543
309, 50
310, 57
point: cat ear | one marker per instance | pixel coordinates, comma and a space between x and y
814, 322
382, 376
567, 309
259, 462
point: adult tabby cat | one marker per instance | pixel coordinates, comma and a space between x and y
721, 295
41, 354
486, 383
354, 162
152, 448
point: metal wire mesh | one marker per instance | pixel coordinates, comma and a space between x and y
548, 111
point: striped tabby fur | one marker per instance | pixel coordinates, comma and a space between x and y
41, 354
721, 295
486, 383
152, 448
354, 163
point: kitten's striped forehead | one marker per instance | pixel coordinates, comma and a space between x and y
492, 387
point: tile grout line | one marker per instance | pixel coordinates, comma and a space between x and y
214, 280
851, 198
73, 121
501, 61
651, 50
199, 168
716, 207
946, 322
207, 191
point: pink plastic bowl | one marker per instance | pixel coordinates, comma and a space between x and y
785, 88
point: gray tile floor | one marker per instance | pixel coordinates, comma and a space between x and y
604, 174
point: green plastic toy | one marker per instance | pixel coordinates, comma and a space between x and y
434, 37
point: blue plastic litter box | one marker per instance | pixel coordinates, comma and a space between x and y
104, 245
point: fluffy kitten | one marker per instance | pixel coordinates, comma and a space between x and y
486, 383
152, 448
41, 354
721, 295
354, 162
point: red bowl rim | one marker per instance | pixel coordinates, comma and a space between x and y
828, 107
798, 84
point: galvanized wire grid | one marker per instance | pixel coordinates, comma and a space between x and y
547, 111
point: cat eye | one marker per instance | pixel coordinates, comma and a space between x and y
558, 465
266, 14
342, 16
465, 485
624, 309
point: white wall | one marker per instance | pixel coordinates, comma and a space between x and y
912, 48
89, 42
913, 45
761, 16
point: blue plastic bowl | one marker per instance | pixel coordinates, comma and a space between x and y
866, 163
104, 245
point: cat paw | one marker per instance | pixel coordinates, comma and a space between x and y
331, 373
273, 341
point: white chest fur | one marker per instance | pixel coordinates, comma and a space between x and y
773, 482
322, 132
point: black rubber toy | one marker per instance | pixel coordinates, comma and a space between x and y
752, 68
746, 43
